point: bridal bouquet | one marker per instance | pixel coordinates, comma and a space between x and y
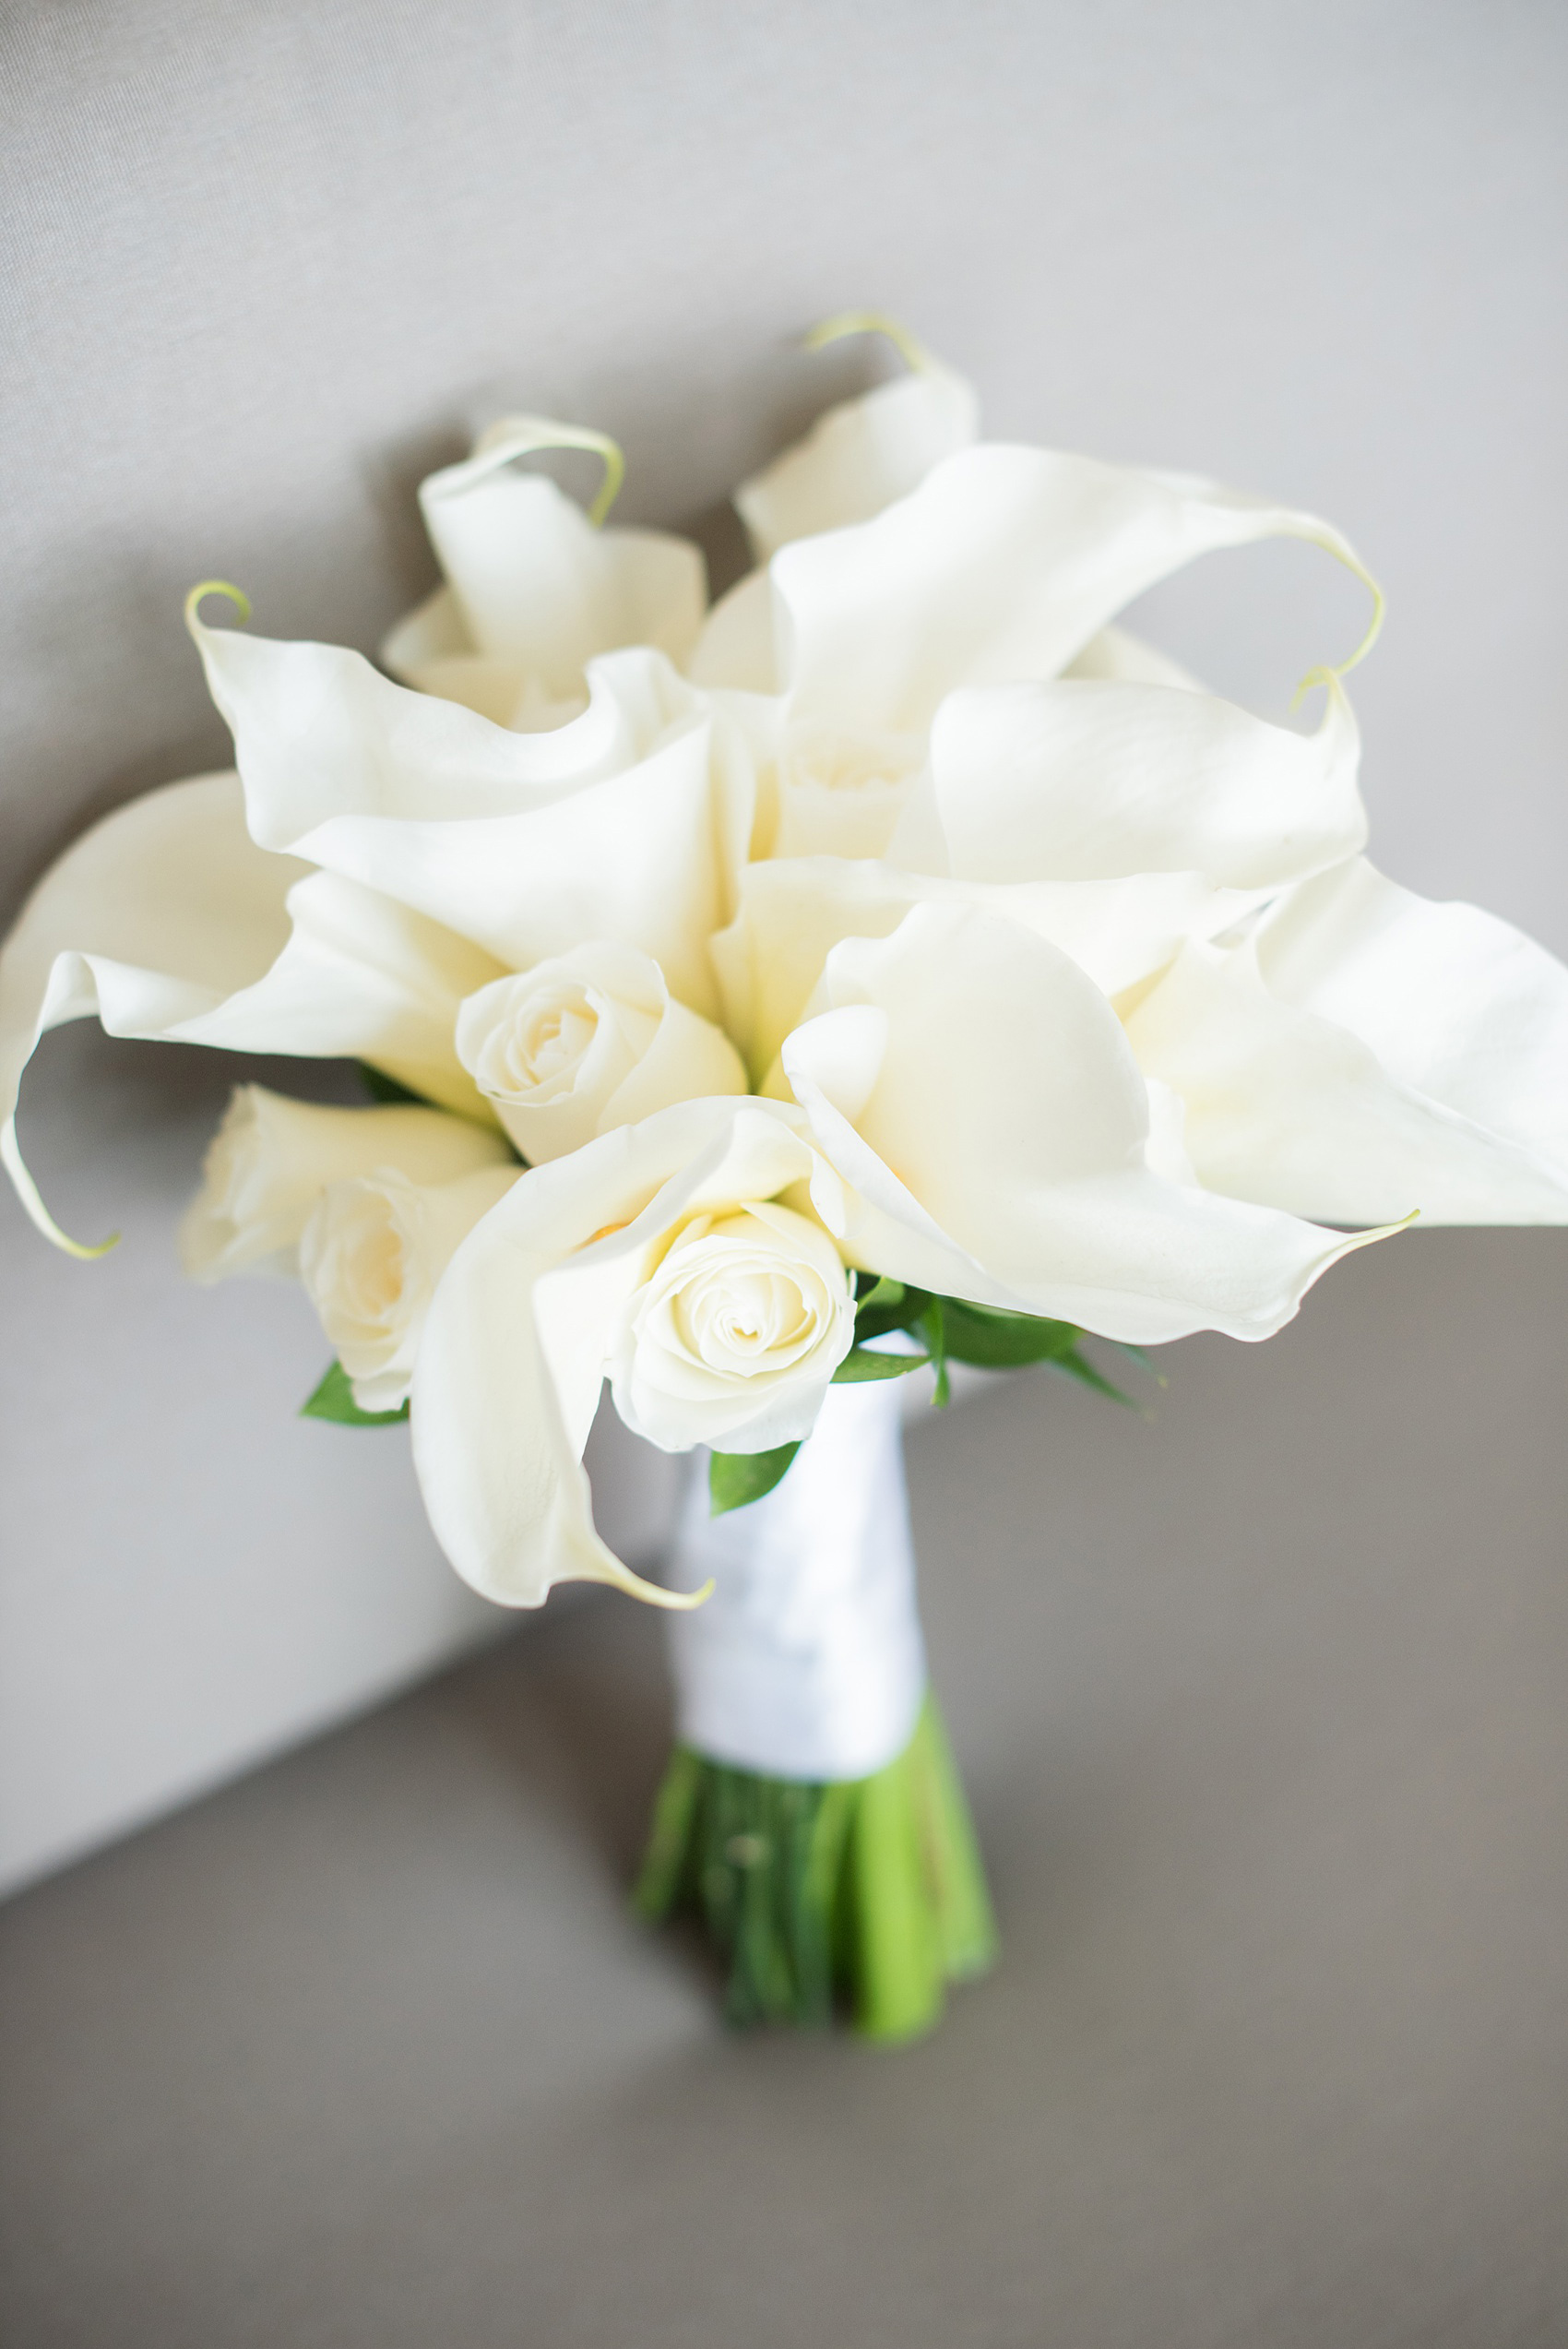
896, 963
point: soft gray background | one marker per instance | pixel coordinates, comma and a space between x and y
1281, 2056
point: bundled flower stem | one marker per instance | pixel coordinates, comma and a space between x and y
868, 1892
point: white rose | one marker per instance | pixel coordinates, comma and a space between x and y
370, 1258
271, 1159
734, 1338
586, 1041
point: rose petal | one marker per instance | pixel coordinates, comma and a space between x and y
371, 1256
647, 1050
271, 1159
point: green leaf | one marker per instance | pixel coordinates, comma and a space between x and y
994, 1341
333, 1400
888, 1305
862, 1362
735, 1478
933, 1322
385, 1089
1077, 1365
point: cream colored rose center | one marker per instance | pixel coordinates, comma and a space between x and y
552, 1037
734, 1298
731, 1318
374, 1266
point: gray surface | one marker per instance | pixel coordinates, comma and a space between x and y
261, 264
1261, 1709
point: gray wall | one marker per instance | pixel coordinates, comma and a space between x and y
267, 263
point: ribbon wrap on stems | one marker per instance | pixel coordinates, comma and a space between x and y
807, 1662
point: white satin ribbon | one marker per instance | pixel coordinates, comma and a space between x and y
807, 1662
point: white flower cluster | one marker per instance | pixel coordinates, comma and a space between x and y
899, 914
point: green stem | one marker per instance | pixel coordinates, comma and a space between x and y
966, 1921
868, 1891
898, 1981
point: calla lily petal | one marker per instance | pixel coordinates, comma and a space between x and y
1000, 568
1366, 1053
976, 1092
534, 587
153, 920
863, 453
1079, 781
793, 911
430, 650
738, 648
364, 978
628, 823
1118, 656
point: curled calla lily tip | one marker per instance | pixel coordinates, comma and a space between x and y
510, 437
913, 353
204, 588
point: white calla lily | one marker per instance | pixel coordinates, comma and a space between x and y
629, 823
271, 1158
153, 920
371, 1256
863, 453
976, 1094
535, 589
1001, 568
169, 923
1363, 1053
585, 1042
